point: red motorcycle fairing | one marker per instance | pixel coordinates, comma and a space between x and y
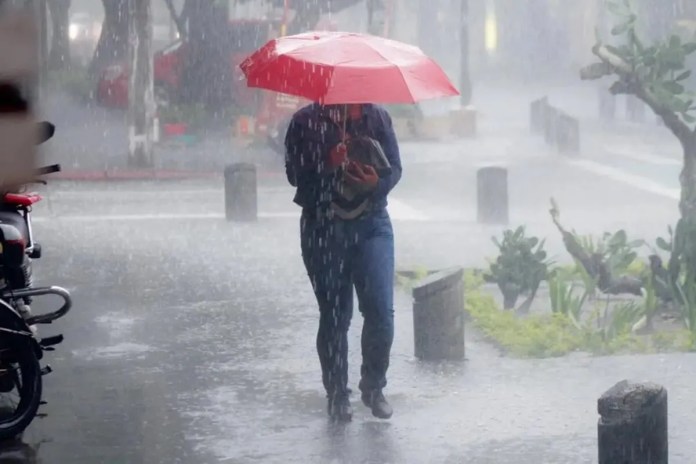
22, 199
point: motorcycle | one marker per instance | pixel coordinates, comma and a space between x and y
21, 348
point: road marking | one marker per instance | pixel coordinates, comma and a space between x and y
639, 182
644, 157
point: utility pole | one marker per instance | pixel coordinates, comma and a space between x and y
464, 76
141, 108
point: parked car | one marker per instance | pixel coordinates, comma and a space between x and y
268, 110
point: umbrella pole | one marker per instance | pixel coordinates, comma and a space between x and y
345, 121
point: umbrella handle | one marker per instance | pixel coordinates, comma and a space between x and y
345, 121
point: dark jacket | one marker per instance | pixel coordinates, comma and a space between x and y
310, 137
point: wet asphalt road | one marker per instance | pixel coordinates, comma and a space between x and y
192, 339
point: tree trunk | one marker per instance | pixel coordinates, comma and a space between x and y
207, 75
113, 42
59, 57
464, 76
687, 204
141, 87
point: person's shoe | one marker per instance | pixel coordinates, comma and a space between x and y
340, 408
376, 401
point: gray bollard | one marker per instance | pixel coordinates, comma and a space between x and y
240, 192
568, 134
492, 195
550, 125
632, 428
607, 104
438, 316
635, 109
537, 111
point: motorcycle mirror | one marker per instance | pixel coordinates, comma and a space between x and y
45, 131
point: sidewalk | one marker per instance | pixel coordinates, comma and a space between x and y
212, 338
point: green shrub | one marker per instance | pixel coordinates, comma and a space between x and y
520, 268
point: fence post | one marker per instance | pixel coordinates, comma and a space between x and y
537, 110
551, 125
568, 134
438, 316
632, 427
240, 192
607, 104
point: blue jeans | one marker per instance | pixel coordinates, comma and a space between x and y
339, 256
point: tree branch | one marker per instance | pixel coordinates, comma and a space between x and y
629, 84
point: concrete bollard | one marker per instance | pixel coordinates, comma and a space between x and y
536, 115
607, 104
492, 195
240, 192
550, 125
632, 428
438, 316
568, 134
635, 109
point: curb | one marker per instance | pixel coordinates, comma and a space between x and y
142, 175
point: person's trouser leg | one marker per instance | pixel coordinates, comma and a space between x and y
373, 274
324, 250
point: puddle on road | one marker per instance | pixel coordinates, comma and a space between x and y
120, 350
116, 324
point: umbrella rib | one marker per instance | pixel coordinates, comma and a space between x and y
398, 69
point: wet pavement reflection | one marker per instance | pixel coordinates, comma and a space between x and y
192, 341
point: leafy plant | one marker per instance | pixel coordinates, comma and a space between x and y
659, 68
681, 271
614, 249
520, 268
622, 319
564, 299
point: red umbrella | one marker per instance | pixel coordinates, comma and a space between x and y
344, 67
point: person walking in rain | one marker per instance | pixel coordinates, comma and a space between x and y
344, 160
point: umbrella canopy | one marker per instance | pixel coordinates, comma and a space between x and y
344, 67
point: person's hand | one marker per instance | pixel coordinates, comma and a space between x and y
361, 176
337, 156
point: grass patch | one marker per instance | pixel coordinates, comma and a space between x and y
554, 334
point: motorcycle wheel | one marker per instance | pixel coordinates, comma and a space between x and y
20, 387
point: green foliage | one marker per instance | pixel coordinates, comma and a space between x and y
536, 336
615, 249
521, 266
681, 270
554, 334
660, 68
564, 298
